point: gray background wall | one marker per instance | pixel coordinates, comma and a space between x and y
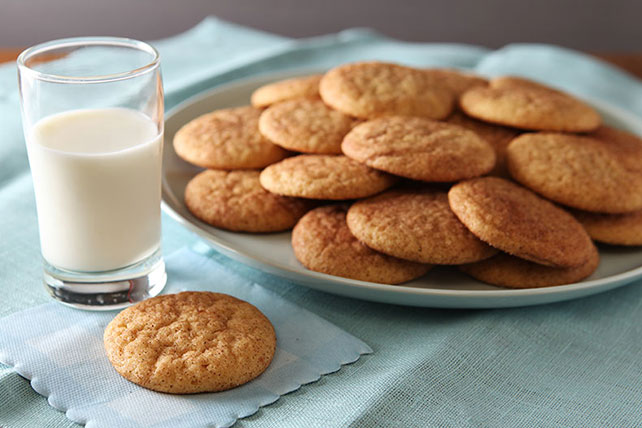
592, 25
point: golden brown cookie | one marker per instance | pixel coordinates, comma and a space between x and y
421, 149
227, 139
290, 89
417, 226
235, 200
457, 81
374, 89
190, 342
497, 136
614, 229
512, 272
517, 221
626, 146
507, 82
323, 243
324, 177
579, 172
529, 106
304, 125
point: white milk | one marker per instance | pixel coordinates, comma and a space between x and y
96, 175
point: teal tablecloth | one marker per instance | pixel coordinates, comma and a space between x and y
574, 364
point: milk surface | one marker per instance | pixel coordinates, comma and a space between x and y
96, 175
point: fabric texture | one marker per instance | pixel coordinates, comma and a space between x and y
571, 364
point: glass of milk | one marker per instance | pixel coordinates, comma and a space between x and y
92, 112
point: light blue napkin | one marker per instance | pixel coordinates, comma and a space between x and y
61, 351
572, 364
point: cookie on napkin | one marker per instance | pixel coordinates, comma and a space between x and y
190, 342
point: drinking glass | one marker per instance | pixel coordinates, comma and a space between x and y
92, 113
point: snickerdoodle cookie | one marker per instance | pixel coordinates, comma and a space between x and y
323, 243
226, 139
290, 89
305, 125
235, 200
420, 149
580, 172
190, 342
614, 229
512, 272
529, 106
324, 177
415, 225
374, 89
517, 221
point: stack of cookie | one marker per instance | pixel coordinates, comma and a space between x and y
507, 178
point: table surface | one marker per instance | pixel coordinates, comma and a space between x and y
631, 62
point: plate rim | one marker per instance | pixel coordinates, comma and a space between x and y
569, 291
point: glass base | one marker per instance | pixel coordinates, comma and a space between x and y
105, 291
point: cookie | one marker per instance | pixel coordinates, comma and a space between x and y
417, 226
576, 171
517, 221
235, 200
304, 125
323, 243
226, 139
497, 136
190, 342
324, 177
614, 229
456, 81
626, 146
290, 89
529, 106
420, 149
507, 82
512, 272
373, 89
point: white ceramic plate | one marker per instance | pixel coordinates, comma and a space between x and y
441, 287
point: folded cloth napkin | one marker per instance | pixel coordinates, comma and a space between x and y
571, 364
61, 351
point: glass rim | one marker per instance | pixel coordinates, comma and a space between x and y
52, 45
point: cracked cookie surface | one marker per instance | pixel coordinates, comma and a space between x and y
375, 89
235, 200
190, 342
226, 139
416, 225
514, 219
420, 149
324, 177
307, 126
323, 243
529, 105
